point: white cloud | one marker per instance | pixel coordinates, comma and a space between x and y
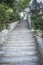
37, 0
40, 0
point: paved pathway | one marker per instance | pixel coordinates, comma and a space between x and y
19, 47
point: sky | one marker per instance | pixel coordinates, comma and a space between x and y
40, 0
37, 0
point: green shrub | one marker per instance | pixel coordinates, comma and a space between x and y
3, 17
37, 23
1, 26
14, 17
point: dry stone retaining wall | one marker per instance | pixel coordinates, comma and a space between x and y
12, 26
4, 32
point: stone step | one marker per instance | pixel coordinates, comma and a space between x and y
19, 59
18, 53
21, 36
8, 56
17, 47
23, 30
26, 39
17, 50
19, 41
21, 45
21, 63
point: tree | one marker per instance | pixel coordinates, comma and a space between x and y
35, 7
9, 10
21, 5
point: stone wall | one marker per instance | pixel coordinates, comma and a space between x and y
40, 45
3, 33
11, 26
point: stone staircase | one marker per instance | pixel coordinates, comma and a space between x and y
19, 48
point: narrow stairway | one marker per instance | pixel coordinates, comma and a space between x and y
19, 47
